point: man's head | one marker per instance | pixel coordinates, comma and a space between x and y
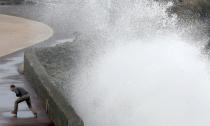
12, 87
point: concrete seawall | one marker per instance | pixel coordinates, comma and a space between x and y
57, 107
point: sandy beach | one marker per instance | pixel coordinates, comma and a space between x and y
18, 33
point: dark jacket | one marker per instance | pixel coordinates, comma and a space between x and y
19, 91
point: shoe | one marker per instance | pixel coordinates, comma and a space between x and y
15, 115
35, 115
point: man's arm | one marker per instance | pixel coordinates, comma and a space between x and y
17, 92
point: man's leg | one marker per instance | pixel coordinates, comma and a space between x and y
19, 100
28, 101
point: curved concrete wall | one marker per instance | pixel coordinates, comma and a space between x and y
57, 107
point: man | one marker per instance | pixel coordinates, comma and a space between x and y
22, 95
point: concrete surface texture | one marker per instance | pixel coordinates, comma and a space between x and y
15, 34
9, 75
28, 29
18, 33
58, 107
58, 20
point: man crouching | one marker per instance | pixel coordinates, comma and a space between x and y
22, 95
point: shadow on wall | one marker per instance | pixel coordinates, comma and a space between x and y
58, 108
11, 2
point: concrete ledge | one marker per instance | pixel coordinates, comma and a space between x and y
57, 107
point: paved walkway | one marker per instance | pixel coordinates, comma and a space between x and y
9, 75
17, 33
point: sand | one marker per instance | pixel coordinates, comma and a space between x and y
18, 33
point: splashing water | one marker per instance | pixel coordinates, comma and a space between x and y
149, 74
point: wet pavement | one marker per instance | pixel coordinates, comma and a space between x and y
58, 15
9, 75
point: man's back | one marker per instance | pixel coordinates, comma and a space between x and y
23, 96
20, 91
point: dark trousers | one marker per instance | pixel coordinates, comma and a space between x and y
25, 98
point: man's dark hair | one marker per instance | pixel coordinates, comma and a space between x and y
12, 86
